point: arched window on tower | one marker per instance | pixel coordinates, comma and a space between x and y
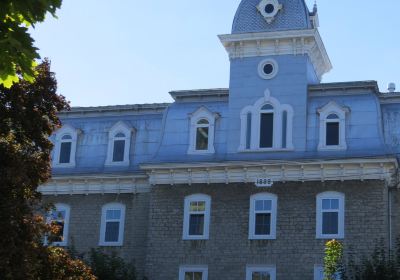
267, 126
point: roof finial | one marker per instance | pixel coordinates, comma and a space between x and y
315, 9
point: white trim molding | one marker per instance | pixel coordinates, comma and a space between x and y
332, 109
274, 65
119, 132
268, 205
202, 118
279, 110
203, 269
379, 168
120, 220
250, 269
66, 134
96, 184
197, 204
338, 208
60, 207
292, 42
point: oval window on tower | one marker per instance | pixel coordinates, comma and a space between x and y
268, 69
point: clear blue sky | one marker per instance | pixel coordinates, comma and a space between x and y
131, 51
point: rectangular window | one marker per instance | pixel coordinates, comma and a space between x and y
119, 150
65, 152
263, 217
58, 220
196, 220
259, 272
332, 134
248, 131
330, 216
195, 272
202, 138
266, 130
112, 225
262, 224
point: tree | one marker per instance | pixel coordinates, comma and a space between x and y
17, 52
28, 114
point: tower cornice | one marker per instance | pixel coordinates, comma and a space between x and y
291, 42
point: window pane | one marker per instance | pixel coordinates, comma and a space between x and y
198, 276
202, 138
196, 224
332, 117
120, 135
266, 130
67, 137
203, 121
284, 129
112, 232
326, 204
263, 224
248, 131
330, 223
261, 276
332, 134
119, 150
59, 237
267, 107
65, 152
188, 275
263, 205
335, 204
197, 206
113, 214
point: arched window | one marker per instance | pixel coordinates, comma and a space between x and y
59, 217
330, 215
262, 224
332, 127
266, 126
202, 129
196, 220
118, 145
112, 224
65, 147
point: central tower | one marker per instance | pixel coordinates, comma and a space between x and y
275, 52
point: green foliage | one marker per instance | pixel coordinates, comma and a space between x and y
380, 265
333, 259
110, 267
17, 51
28, 114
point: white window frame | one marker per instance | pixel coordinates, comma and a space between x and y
193, 268
275, 69
341, 215
260, 268
67, 209
255, 111
327, 110
319, 273
63, 131
199, 114
112, 206
252, 215
186, 218
119, 127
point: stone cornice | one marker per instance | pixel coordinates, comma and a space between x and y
96, 184
294, 42
283, 171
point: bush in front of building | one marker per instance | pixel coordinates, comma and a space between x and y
110, 266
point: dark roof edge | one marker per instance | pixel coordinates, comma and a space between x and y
180, 94
345, 85
116, 108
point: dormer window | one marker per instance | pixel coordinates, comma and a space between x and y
202, 127
266, 126
118, 145
65, 147
269, 9
332, 134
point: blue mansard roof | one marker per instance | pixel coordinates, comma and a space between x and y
294, 15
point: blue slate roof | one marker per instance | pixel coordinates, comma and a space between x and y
294, 15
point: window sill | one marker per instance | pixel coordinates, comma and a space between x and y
111, 244
110, 164
62, 165
201, 153
332, 148
266, 150
330, 236
188, 238
262, 237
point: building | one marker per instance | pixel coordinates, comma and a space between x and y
247, 182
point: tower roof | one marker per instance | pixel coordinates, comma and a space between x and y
293, 15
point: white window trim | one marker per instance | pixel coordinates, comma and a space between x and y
260, 268
269, 17
332, 108
119, 127
264, 62
112, 206
67, 209
319, 273
202, 113
186, 218
193, 268
252, 216
255, 111
330, 195
74, 133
